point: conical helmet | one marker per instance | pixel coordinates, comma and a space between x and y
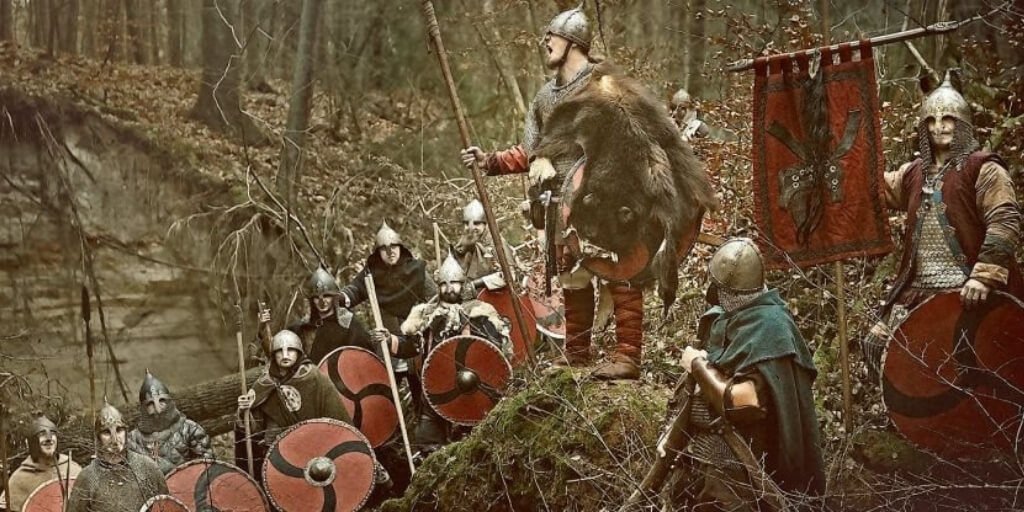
572, 25
680, 99
322, 283
474, 212
109, 418
286, 339
152, 389
386, 236
450, 271
737, 266
944, 101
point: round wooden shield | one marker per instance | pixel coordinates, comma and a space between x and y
361, 379
164, 503
627, 265
214, 485
319, 465
464, 377
501, 299
952, 378
549, 310
49, 496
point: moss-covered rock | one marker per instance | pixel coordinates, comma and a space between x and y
564, 442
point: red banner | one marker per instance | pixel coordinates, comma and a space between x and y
818, 159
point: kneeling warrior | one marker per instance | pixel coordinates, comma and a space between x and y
164, 434
431, 323
753, 392
330, 324
291, 390
44, 463
117, 480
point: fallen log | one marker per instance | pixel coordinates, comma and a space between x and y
212, 404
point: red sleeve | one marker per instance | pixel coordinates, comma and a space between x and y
510, 161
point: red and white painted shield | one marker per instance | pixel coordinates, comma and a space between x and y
319, 465
953, 379
630, 264
501, 299
214, 485
49, 496
361, 379
164, 503
464, 377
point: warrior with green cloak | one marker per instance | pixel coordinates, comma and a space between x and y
754, 377
291, 390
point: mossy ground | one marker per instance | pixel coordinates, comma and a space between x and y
564, 442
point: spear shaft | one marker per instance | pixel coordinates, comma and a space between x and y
434, 31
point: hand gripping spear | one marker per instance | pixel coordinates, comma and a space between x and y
434, 31
371, 291
245, 389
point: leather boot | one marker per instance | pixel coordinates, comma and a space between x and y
579, 321
624, 363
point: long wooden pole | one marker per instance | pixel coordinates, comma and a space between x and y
3, 454
86, 317
437, 244
896, 37
434, 31
371, 291
244, 386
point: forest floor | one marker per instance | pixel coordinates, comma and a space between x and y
349, 185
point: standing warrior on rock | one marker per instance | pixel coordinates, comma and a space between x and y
475, 252
291, 390
963, 220
44, 463
164, 434
642, 187
434, 322
117, 480
330, 324
754, 379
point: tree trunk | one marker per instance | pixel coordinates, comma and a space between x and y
152, 28
698, 43
175, 33
67, 17
90, 14
212, 404
290, 171
260, 15
136, 37
219, 102
6, 21
111, 30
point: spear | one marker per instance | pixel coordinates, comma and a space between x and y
245, 389
86, 317
434, 31
3, 453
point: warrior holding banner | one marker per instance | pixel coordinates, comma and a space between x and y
752, 403
44, 463
963, 222
164, 434
117, 480
432, 323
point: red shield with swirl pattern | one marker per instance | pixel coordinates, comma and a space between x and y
164, 503
361, 379
953, 379
319, 465
464, 377
49, 497
213, 485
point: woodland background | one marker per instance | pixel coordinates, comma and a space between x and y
180, 157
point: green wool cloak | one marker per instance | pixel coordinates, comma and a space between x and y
763, 336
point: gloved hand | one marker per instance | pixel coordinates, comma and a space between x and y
472, 154
541, 170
